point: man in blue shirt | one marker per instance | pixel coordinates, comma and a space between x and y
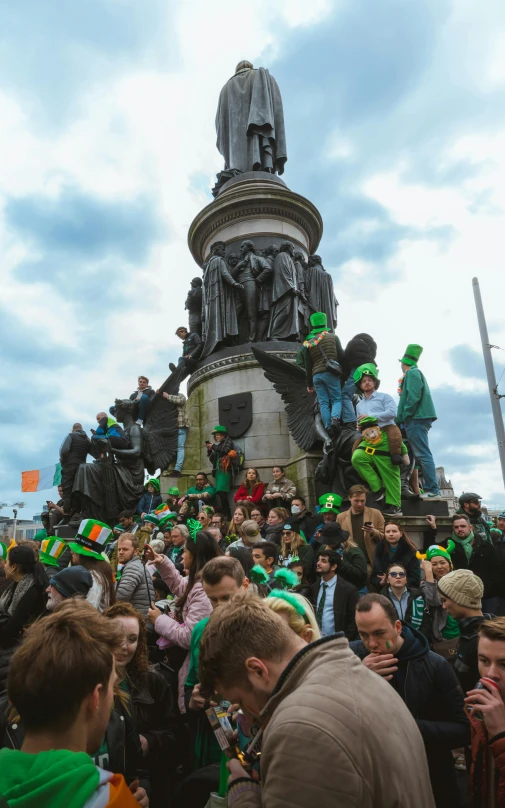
380, 406
334, 599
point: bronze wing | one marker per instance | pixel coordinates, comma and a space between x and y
161, 425
289, 381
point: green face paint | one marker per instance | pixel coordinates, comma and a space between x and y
388, 645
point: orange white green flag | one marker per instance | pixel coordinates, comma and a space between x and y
41, 479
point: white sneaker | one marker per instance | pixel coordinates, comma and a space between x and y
431, 497
139, 422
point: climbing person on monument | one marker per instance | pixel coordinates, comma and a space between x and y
108, 429
192, 347
371, 458
416, 412
360, 350
222, 454
323, 356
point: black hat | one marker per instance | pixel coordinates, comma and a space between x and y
469, 497
292, 524
72, 581
333, 535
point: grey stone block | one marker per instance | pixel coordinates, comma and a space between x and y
263, 446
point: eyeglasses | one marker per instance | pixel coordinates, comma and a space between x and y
397, 574
287, 532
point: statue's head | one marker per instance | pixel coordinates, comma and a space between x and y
244, 65
233, 259
299, 257
286, 246
246, 247
314, 259
124, 407
218, 248
196, 282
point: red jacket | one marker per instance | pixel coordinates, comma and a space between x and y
480, 755
255, 496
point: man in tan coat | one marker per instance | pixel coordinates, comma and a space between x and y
365, 525
321, 714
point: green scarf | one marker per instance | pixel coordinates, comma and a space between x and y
466, 544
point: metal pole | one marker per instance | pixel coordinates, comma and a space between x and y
15, 524
491, 378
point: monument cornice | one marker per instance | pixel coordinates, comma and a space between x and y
254, 200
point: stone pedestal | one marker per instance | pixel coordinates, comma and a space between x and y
267, 442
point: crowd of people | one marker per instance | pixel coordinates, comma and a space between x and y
257, 657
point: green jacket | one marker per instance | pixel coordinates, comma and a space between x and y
415, 400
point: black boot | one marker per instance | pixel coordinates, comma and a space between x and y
334, 428
406, 492
379, 495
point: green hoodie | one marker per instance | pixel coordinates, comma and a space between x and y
59, 779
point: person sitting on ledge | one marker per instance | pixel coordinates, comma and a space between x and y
252, 489
110, 430
143, 396
201, 493
280, 491
192, 347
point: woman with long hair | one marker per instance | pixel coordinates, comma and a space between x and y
240, 515
436, 563
252, 489
102, 594
294, 546
275, 520
395, 547
407, 600
280, 491
22, 601
156, 711
192, 604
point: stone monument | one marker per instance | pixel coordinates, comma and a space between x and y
253, 244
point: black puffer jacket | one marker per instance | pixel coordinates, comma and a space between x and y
483, 562
158, 718
358, 351
465, 665
74, 448
404, 555
429, 687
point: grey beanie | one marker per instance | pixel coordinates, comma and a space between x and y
463, 587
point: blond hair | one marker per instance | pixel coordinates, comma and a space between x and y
296, 621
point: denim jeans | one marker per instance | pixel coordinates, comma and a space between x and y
181, 441
143, 405
417, 433
348, 390
329, 395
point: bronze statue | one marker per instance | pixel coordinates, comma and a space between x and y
302, 300
247, 272
219, 305
284, 312
264, 281
194, 306
320, 293
250, 122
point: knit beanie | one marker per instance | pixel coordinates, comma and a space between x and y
463, 587
72, 581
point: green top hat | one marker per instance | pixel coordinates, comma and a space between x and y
368, 369
174, 491
219, 429
411, 355
40, 535
3, 551
367, 422
155, 484
50, 551
318, 321
91, 539
330, 503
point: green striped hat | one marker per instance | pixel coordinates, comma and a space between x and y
50, 551
92, 538
151, 517
3, 551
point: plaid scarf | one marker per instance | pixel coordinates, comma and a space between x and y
13, 594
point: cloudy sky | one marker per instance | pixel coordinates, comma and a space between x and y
396, 132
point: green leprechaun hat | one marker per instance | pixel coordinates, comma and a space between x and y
151, 517
174, 491
91, 539
221, 429
366, 423
155, 484
411, 355
50, 551
318, 321
167, 521
368, 369
330, 503
436, 550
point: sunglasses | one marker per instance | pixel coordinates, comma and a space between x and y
287, 532
397, 574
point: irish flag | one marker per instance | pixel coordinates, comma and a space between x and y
42, 479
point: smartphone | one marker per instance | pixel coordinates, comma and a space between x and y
367, 524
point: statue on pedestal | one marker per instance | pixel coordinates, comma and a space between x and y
284, 313
247, 272
320, 293
218, 302
194, 306
250, 122
264, 281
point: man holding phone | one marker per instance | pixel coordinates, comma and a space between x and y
365, 525
486, 709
